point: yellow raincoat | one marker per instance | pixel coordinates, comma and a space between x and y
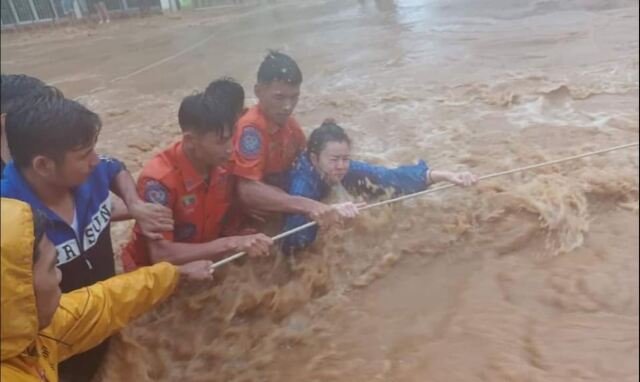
84, 318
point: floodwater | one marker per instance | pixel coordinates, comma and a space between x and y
529, 277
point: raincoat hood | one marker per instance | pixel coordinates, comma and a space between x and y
19, 319
85, 317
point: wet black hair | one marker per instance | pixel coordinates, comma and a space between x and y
41, 223
226, 89
50, 125
202, 114
278, 66
327, 132
15, 87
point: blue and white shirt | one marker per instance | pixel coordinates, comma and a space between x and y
361, 179
82, 260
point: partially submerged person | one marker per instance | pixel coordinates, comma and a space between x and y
55, 168
327, 163
192, 178
267, 141
42, 327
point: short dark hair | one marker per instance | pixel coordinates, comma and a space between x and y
278, 66
16, 87
327, 132
50, 125
226, 89
202, 114
41, 224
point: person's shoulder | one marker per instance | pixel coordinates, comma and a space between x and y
250, 142
252, 118
163, 167
251, 131
5, 184
296, 129
305, 183
8, 189
302, 172
106, 166
301, 165
293, 124
10, 185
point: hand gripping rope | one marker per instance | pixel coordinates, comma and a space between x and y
436, 189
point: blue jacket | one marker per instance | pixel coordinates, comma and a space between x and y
361, 179
82, 260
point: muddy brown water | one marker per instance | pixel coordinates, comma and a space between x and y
531, 277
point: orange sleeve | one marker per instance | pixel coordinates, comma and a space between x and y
152, 190
249, 152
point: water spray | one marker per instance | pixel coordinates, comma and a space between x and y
436, 189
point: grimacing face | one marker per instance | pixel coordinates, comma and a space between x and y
46, 282
333, 161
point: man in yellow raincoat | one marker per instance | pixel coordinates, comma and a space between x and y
41, 326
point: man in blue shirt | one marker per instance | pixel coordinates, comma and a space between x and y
55, 169
327, 163
15, 88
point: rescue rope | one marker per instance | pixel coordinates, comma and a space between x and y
436, 189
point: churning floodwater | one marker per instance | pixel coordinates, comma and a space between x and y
529, 277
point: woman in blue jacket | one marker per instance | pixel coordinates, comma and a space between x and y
327, 163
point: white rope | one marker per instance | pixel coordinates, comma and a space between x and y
436, 189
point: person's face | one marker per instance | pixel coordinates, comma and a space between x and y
278, 100
74, 168
78, 165
46, 280
210, 148
333, 161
